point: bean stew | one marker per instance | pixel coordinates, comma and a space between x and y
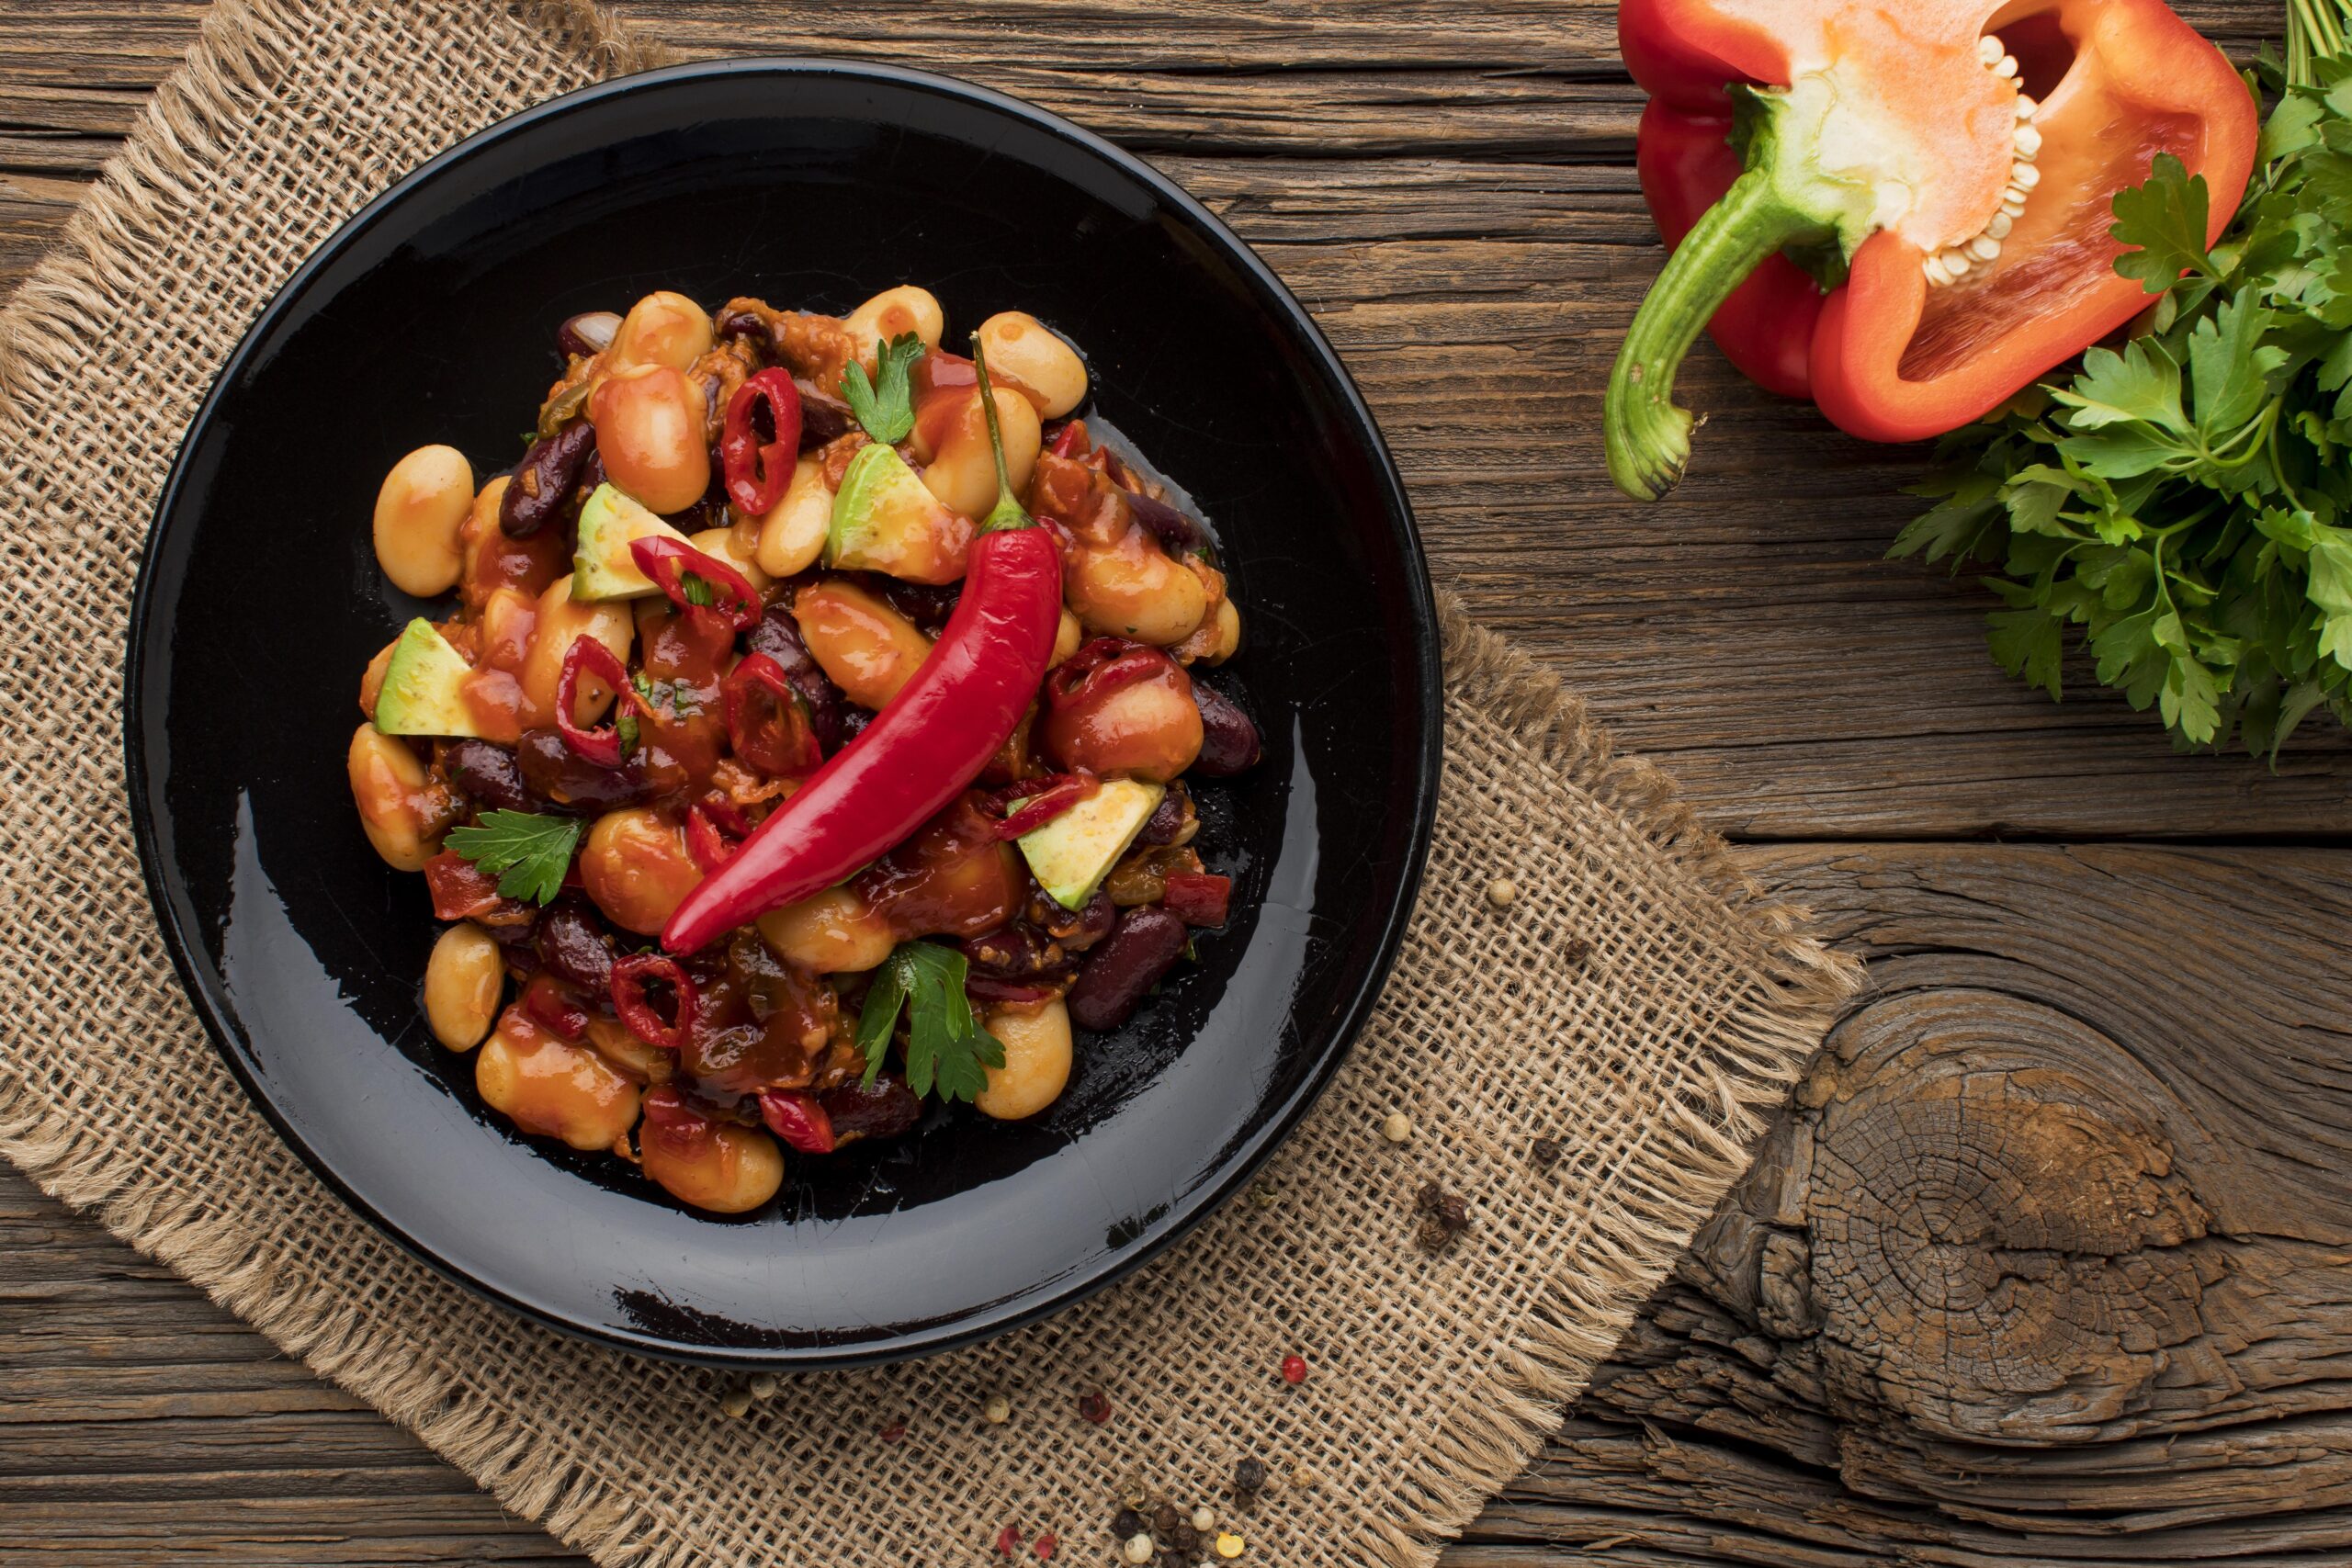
749, 557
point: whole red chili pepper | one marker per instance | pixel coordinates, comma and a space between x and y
758, 471
727, 593
924, 748
1044, 799
636, 1011
708, 847
798, 1120
587, 656
784, 746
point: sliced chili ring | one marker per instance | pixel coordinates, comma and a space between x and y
680, 571
759, 471
785, 744
705, 842
1044, 799
726, 814
602, 745
630, 975
798, 1120
544, 1001
1071, 441
1101, 664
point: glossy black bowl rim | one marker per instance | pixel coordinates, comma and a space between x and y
204, 987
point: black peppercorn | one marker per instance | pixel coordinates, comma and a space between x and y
1444, 1215
1248, 1477
1128, 1523
1188, 1540
1164, 1520
1545, 1153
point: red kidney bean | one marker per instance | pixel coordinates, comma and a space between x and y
544, 479
574, 947
886, 1108
823, 416
776, 635
1012, 953
559, 777
1166, 819
1177, 534
591, 331
488, 772
741, 323
1228, 737
1113, 980
928, 605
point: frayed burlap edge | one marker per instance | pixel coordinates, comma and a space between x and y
1704, 1148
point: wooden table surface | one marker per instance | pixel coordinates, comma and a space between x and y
2048, 1262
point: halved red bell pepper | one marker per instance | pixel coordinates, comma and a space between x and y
1871, 138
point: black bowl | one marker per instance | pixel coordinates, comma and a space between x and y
430, 317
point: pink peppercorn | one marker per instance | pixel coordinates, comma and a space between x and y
1294, 1368
1046, 1545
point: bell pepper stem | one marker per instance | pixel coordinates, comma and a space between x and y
1650, 438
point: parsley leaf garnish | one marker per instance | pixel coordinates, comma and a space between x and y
697, 590
946, 1047
884, 405
527, 853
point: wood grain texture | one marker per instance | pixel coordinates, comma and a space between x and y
2047, 1265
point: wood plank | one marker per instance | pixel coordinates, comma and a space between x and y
2035, 1272
1799, 685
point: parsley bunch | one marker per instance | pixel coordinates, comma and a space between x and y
2187, 500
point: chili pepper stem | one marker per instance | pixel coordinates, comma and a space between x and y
1648, 435
1007, 512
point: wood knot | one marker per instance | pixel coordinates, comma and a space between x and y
2001, 1248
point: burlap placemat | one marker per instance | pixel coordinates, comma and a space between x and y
1638, 1002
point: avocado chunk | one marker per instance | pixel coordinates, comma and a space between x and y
885, 519
1070, 855
423, 690
601, 567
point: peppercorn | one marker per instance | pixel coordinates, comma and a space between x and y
735, 1402
896, 1432
1248, 1477
1127, 1523
1444, 1215
1574, 951
764, 1385
1008, 1541
1047, 1546
1138, 1548
1545, 1153
997, 1410
1203, 1518
1396, 1127
1294, 1370
1094, 1406
1164, 1520
1188, 1540
1502, 891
